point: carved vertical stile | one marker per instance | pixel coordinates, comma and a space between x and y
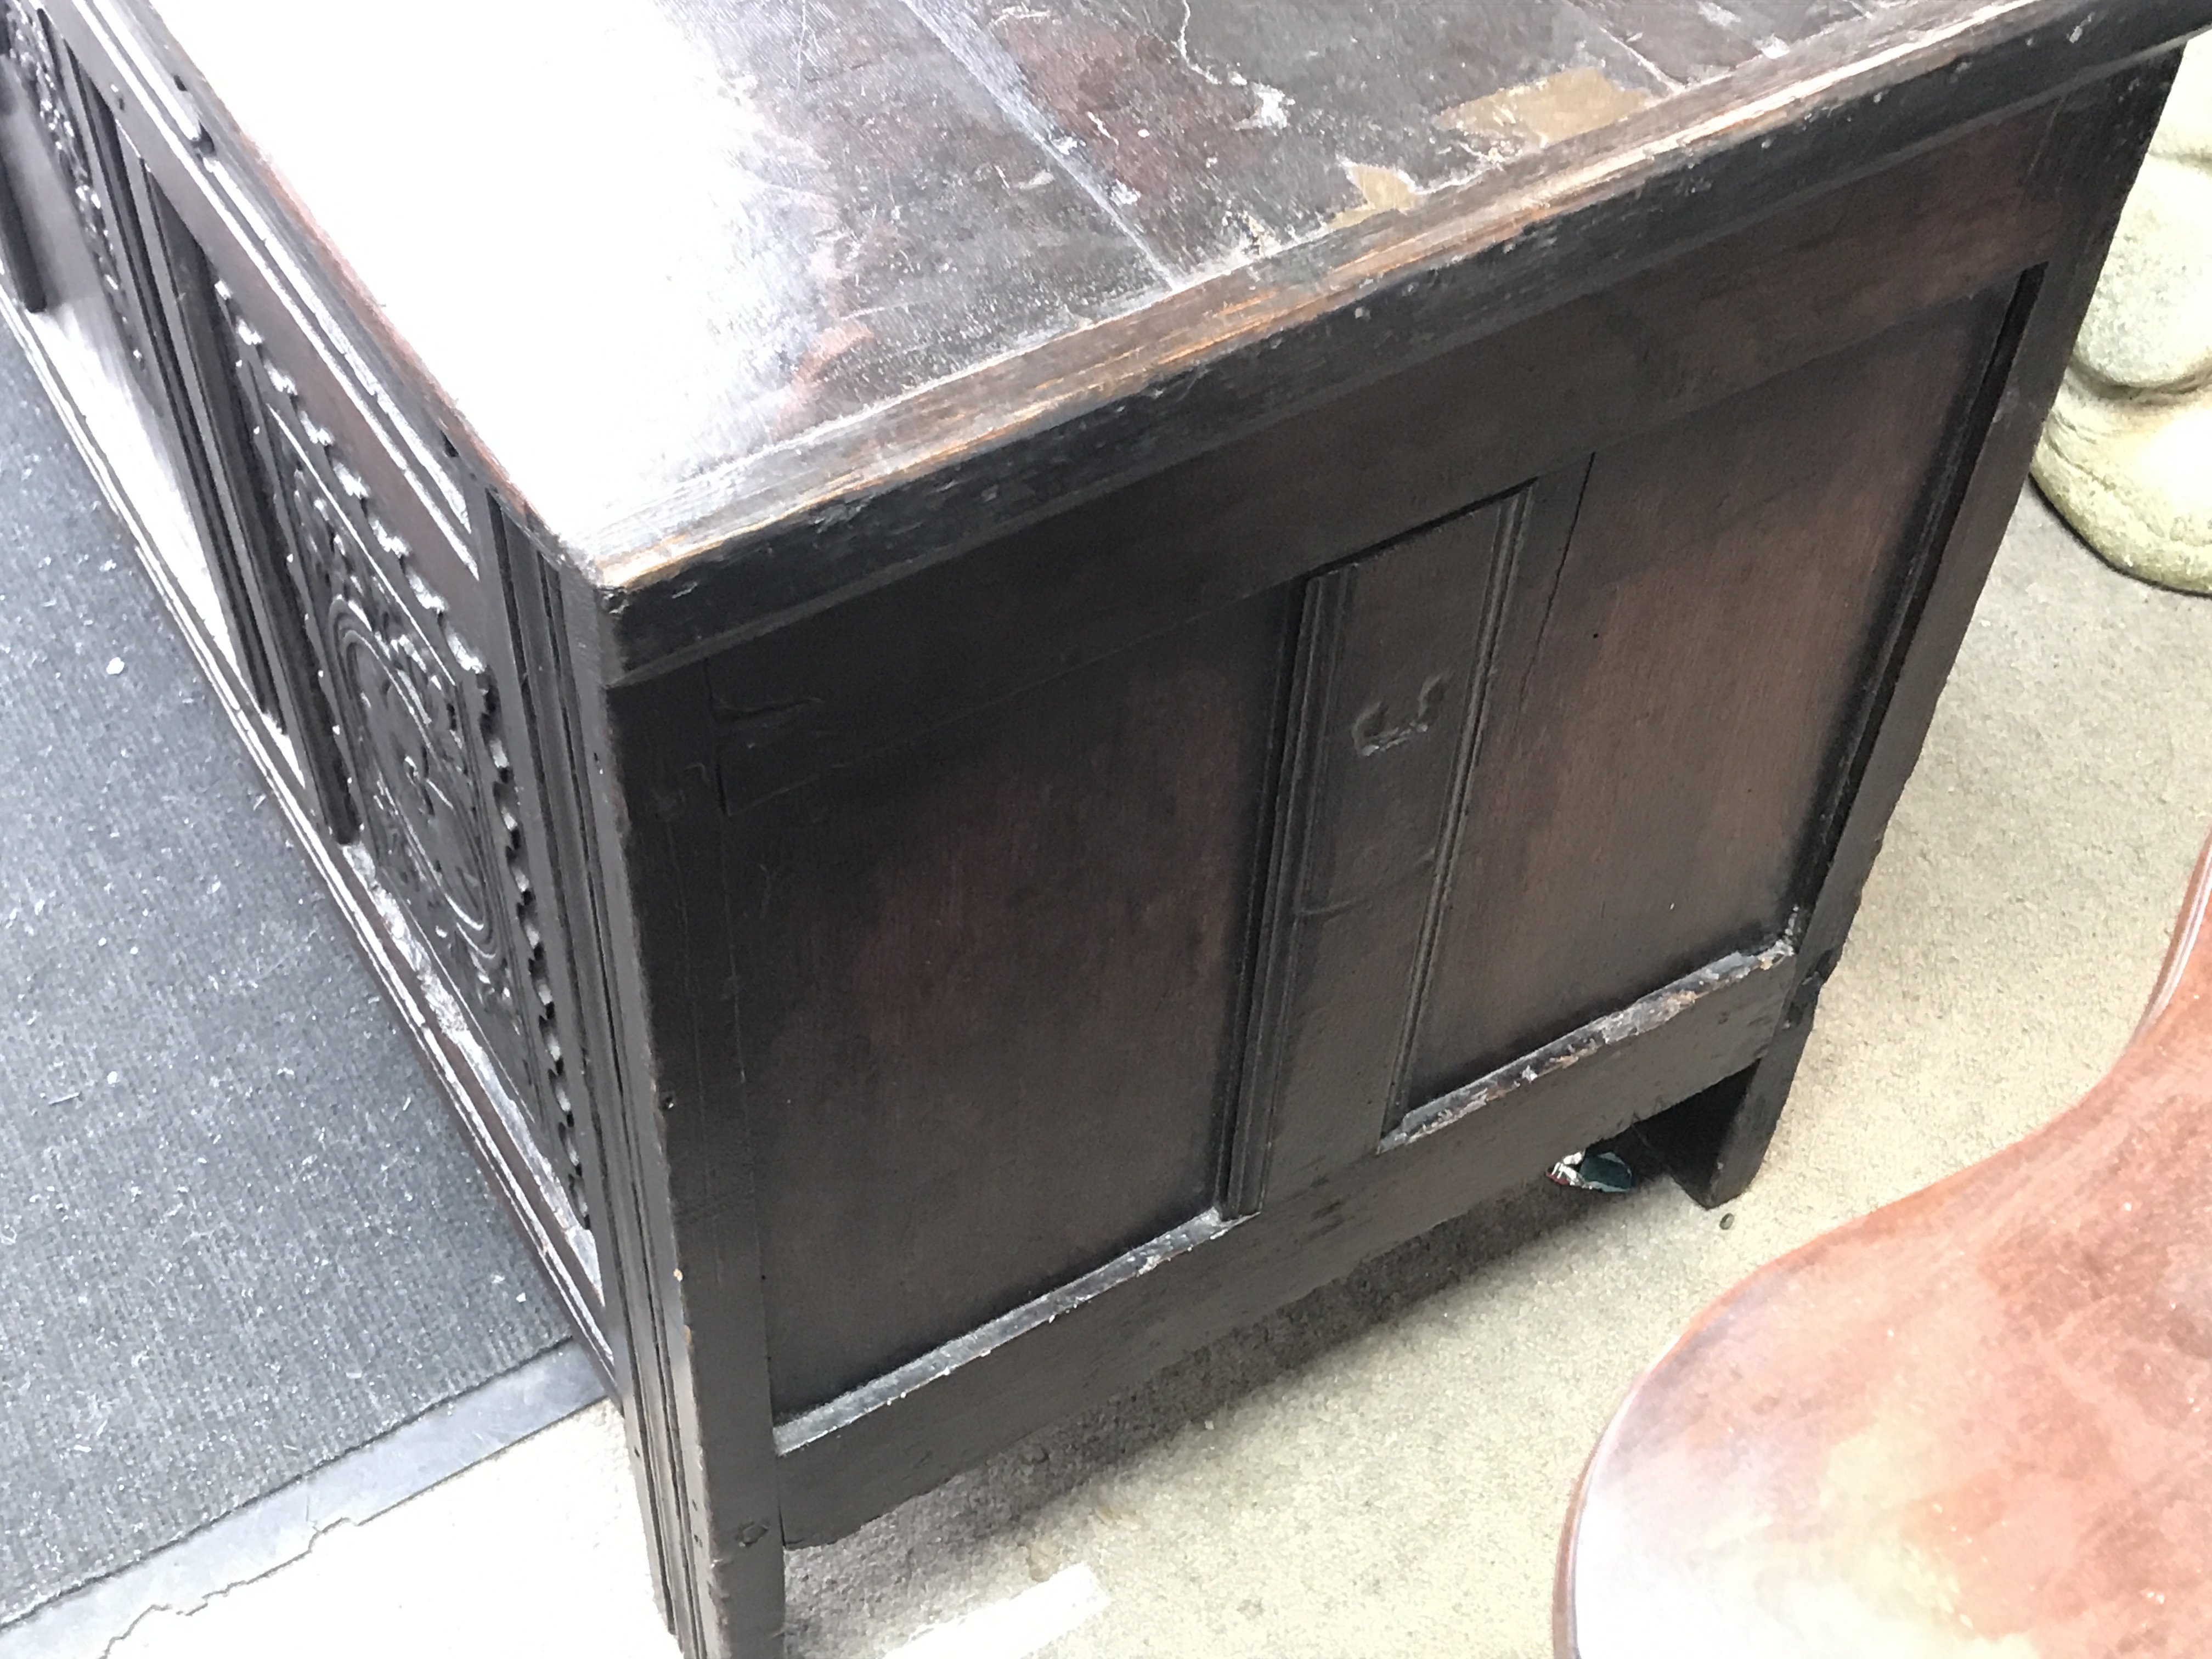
40, 61
424, 727
1393, 655
21, 273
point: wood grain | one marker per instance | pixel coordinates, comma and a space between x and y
1676, 694
1394, 660
1233, 127
896, 290
1357, 468
990, 994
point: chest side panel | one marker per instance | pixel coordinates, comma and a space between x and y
990, 992
1675, 695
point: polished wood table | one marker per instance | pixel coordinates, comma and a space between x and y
1000, 683
1973, 1422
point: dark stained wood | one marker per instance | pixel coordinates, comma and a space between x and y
1715, 1150
457, 844
560, 737
1336, 469
153, 281
66, 244
1969, 1421
921, 705
77, 341
1235, 127
1674, 694
906, 1432
1773, 24
1714, 1142
676, 1137
235, 516
830, 169
606, 488
1328, 483
872, 1442
989, 995
19, 260
1688, 45
1236, 352
1394, 653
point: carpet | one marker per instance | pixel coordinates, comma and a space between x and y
238, 1235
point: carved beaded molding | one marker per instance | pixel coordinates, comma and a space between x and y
38, 60
420, 718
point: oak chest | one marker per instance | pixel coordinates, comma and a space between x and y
1000, 684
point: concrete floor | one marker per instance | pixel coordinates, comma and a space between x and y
1383, 1469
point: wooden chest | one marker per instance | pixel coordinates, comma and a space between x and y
998, 685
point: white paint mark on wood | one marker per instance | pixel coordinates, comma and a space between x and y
1382, 189
1182, 51
1564, 105
1273, 114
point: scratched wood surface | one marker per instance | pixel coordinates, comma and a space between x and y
635, 253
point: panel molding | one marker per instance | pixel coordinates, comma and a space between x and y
1393, 666
1390, 709
854, 1457
1657, 788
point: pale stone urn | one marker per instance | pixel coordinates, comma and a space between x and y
2127, 453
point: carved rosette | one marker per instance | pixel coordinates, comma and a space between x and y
411, 733
419, 719
38, 60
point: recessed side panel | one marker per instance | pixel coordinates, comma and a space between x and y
990, 994
1672, 713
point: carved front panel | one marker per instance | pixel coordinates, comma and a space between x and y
40, 64
424, 730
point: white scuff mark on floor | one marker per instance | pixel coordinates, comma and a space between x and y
1017, 1627
186, 1605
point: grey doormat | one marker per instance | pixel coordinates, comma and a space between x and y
238, 1235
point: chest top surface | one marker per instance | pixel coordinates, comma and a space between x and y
679, 270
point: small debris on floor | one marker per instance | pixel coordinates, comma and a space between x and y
1595, 1172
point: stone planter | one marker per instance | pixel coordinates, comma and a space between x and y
2127, 453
